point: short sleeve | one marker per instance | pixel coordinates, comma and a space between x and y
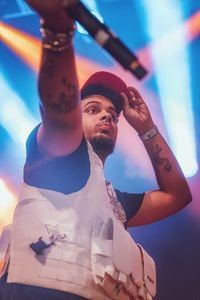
131, 202
65, 174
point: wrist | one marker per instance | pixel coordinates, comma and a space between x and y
56, 26
56, 41
149, 134
144, 127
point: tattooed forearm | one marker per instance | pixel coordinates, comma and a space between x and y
70, 87
56, 91
64, 102
163, 161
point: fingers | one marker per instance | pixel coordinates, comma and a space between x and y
134, 90
134, 100
53, 14
125, 100
135, 97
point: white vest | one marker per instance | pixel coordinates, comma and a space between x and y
69, 221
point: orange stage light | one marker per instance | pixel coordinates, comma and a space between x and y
8, 202
193, 26
27, 47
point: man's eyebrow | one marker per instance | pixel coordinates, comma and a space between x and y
91, 102
99, 103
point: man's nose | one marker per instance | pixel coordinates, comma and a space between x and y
106, 117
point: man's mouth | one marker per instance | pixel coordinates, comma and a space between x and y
104, 128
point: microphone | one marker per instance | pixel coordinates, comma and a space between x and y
105, 37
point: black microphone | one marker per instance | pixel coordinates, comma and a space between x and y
105, 37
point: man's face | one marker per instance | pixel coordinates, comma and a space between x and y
100, 123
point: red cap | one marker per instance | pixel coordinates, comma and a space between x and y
109, 81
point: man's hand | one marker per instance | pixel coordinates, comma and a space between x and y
136, 111
53, 13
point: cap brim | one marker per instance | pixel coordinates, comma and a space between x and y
109, 80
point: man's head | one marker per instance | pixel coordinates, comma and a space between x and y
102, 104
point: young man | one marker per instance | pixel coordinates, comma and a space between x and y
68, 239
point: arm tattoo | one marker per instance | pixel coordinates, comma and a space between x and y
65, 103
60, 101
68, 85
163, 161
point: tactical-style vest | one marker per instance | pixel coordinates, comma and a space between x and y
53, 234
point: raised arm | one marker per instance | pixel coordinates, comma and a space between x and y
61, 129
173, 193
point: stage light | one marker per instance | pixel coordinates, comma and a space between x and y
7, 199
14, 8
7, 204
173, 77
14, 116
26, 46
91, 5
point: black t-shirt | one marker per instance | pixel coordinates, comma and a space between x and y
67, 174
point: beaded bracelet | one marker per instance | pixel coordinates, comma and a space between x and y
57, 42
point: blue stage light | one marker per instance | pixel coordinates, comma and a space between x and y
14, 116
172, 65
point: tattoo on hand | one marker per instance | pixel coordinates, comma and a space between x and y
163, 161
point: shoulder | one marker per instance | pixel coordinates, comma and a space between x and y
131, 202
66, 174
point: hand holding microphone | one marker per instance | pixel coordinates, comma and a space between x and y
52, 13
104, 37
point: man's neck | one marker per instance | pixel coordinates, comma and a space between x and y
102, 156
102, 148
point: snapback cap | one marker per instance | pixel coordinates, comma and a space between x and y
110, 82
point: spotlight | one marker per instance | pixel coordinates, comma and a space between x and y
13, 8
